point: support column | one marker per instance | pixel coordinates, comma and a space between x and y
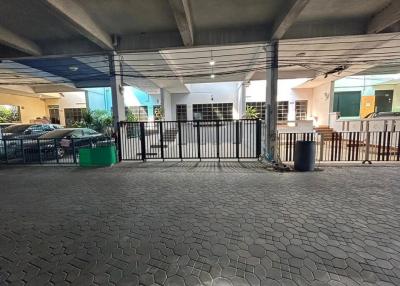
166, 103
242, 100
271, 100
118, 105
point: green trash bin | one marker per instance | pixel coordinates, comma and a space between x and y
98, 156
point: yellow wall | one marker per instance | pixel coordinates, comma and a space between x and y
367, 105
31, 107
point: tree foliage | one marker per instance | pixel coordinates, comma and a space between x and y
99, 120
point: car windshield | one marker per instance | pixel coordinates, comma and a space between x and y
58, 133
16, 128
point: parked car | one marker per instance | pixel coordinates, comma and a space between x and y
3, 126
28, 131
61, 142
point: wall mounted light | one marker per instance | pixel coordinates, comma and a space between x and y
73, 68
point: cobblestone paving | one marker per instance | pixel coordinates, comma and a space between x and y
199, 224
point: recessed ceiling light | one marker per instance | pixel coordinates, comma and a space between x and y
212, 75
73, 68
212, 62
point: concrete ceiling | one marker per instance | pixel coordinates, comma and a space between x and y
124, 17
85, 26
222, 14
166, 44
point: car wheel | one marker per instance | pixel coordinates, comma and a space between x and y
60, 152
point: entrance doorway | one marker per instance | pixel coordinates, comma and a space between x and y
383, 100
54, 113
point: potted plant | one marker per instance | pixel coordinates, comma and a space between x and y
251, 113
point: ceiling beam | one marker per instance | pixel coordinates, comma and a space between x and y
74, 14
385, 18
183, 19
287, 18
17, 42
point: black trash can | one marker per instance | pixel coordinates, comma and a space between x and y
304, 156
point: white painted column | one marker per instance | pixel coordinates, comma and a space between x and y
166, 103
118, 105
271, 117
242, 100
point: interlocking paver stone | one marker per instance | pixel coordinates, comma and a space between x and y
196, 223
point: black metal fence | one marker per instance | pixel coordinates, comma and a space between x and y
345, 146
46, 151
216, 139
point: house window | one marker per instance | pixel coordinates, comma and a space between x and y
283, 109
213, 111
10, 113
301, 109
260, 108
73, 115
140, 112
181, 112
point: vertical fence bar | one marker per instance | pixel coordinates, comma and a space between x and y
56, 150
142, 141
357, 146
321, 148
160, 127
237, 138
22, 151
40, 151
388, 146
398, 146
258, 138
294, 145
5, 150
217, 138
180, 140
379, 146
198, 140
384, 144
340, 147
287, 146
73, 150
119, 142
349, 148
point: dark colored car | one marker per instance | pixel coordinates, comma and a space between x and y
28, 131
4, 126
62, 142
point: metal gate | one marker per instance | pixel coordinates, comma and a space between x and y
216, 139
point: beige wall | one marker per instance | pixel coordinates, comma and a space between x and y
68, 100
321, 104
31, 107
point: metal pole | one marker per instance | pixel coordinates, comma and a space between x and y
118, 106
367, 144
271, 100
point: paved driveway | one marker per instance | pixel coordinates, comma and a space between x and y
199, 224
